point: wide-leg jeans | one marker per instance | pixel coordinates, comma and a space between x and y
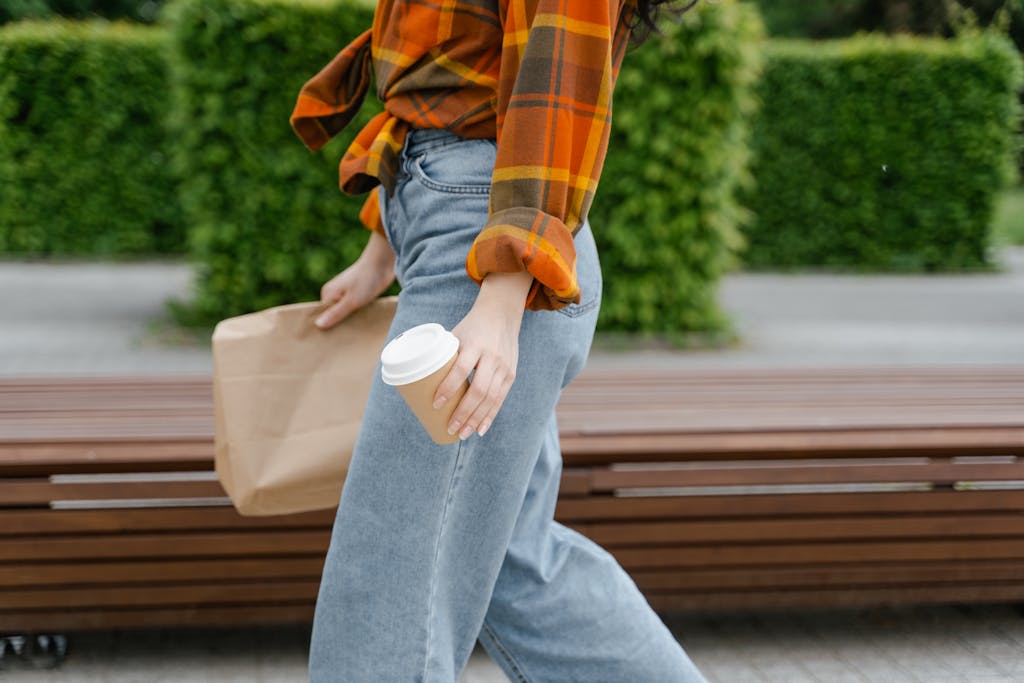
436, 546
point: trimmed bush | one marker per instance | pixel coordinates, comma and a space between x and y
268, 223
138, 10
666, 217
883, 153
83, 166
844, 18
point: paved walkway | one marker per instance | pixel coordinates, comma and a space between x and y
94, 318
98, 318
953, 644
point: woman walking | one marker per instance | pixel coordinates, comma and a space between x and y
480, 173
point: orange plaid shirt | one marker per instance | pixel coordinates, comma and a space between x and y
535, 75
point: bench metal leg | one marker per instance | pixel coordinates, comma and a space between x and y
38, 651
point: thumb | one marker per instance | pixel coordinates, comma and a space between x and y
336, 313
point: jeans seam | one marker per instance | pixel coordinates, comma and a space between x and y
385, 216
437, 551
575, 312
506, 655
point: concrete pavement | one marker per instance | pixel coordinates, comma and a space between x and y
950, 644
103, 318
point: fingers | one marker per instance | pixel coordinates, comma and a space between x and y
467, 414
333, 289
336, 313
488, 419
464, 363
486, 393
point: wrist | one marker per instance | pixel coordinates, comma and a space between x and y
378, 251
510, 288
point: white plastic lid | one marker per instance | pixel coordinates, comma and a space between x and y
416, 353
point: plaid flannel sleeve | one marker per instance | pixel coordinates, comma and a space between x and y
559, 62
323, 108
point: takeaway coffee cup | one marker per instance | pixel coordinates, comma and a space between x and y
416, 362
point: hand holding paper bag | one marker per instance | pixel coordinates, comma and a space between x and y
289, 399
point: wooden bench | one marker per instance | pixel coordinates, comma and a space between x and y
714, 489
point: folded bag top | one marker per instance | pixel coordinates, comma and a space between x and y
289, 399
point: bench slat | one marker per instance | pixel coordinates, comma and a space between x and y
936, 471
34, 521
196, 595
597, 448
81, 455
302, 613
822, 576
577, 449
834, 598
828, 553
304, 585
606, 507
568, 510
41, 491
218, 570
789, 529
62, 621
200, 544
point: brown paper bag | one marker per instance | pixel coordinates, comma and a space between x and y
288, 401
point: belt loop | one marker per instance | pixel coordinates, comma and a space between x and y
419, 140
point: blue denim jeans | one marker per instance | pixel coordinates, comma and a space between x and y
435, 546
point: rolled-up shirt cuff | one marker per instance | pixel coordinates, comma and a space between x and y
525, 238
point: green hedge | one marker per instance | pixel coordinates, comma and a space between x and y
137, 10
269, 224
83, 166
267, 221
883, 153
666, 217
844, 18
